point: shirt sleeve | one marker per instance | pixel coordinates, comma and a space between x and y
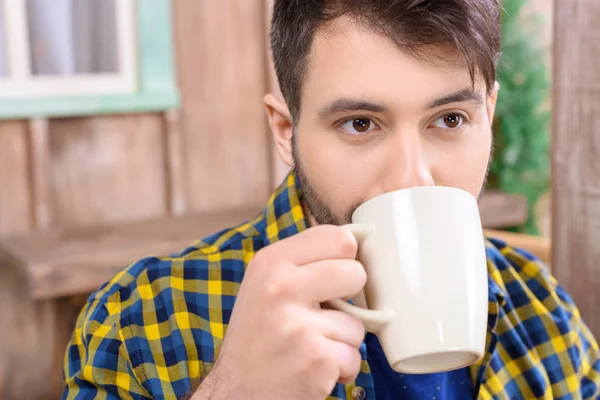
584, 352
97, 364
588, 356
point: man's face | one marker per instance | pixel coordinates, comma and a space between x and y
375, 119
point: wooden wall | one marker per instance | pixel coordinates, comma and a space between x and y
15, 192
576, 155
222, 58
214, 153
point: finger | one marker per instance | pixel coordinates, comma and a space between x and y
341, 327
322, 242
348, 359
330, 279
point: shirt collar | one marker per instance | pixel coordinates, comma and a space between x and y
284, 216
497, 289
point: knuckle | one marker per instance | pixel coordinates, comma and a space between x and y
360, 273
292, 327
330, 368
353, 274
350, 354
278, 287
357, 360
351, 366
355, 365
320, 356
261, 259
268, 259
357, 331
318, 373
346, 242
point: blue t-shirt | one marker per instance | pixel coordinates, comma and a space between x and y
391, 385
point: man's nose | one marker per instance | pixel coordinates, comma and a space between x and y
408, 165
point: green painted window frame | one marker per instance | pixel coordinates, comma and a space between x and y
157, 87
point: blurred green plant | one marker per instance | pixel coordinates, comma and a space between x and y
522, 123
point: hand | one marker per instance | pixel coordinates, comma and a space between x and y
280, 343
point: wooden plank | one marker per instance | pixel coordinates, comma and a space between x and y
500, 210
107, 169
175, 165
70, 262
222, 82
39, 151
15, 198
279, 169
36, 340
576, 154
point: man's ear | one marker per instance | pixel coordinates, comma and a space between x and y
492, 98
281, 125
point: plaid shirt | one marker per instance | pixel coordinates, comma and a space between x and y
155, 329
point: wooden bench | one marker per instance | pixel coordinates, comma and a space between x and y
39, 272
41, 275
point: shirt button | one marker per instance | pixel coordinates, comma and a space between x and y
358, 393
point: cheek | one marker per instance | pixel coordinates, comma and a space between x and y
464, 165
340, 174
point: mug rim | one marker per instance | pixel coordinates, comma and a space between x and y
411, 189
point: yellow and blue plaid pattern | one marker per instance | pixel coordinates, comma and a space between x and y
154, 330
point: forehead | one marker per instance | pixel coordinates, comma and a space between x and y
349, 60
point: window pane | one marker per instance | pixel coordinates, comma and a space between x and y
3, 53
70, 37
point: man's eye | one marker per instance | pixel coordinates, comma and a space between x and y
358, 126
449, 121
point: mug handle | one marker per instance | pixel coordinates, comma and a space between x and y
373, 320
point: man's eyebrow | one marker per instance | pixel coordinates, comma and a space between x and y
462, 96
344, 105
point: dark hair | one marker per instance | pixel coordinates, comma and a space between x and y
472, 27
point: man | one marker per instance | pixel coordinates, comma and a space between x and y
380, 95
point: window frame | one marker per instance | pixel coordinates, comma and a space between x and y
155, 86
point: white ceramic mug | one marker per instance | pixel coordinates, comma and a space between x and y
427, 288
